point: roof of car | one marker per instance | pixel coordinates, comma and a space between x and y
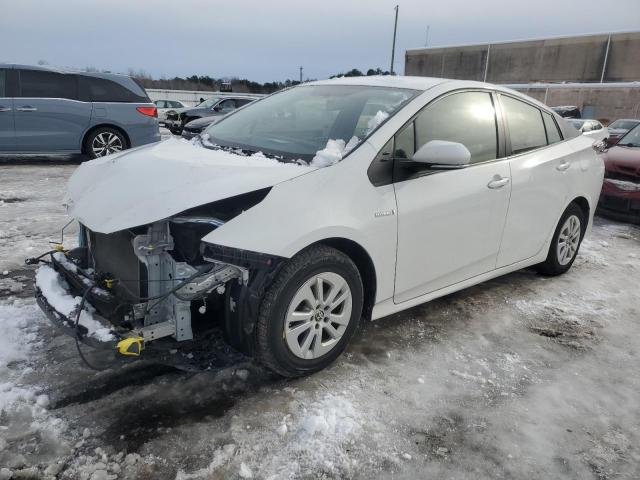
395, 81
53, 68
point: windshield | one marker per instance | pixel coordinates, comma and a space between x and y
623, 124
577, 123
631, 138
209, 102
300, 122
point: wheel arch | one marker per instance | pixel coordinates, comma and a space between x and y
104, 125
583, 203
359, 255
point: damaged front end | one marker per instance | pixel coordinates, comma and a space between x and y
160, 283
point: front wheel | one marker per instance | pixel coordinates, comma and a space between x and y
565, 243
309, 313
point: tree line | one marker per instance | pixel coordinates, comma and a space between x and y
239, 85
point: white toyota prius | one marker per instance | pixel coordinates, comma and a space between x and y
298, 216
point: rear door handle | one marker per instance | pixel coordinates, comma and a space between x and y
498, 182
563, 166
27, 108
5, 109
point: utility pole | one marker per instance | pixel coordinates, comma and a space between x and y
300, 74
393, 48
426, 42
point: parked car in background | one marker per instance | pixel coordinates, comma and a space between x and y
344, 164
166, 105
567, 111
196, 127
590, 128
215, 106
620, 197
47, 110
621, 126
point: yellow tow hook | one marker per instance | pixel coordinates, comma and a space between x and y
58, 247
131, 346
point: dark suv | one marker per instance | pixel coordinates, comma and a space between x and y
45, 110
212, 107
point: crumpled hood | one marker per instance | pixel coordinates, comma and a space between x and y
150, 183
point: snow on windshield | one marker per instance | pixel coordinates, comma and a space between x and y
333, 152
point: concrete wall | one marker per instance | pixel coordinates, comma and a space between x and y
568, 59
608, 104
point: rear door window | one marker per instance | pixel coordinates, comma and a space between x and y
3, 81
43, 84
526, 129
553, 134
226, 105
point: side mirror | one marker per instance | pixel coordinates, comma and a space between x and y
443, 154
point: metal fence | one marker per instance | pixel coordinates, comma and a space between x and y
192, 97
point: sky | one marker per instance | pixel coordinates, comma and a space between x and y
270, 40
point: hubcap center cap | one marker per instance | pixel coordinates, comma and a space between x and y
319, 315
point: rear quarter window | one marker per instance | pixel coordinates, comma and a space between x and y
94, 89
553, 133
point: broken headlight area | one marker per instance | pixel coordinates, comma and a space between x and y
156, 273
160, 281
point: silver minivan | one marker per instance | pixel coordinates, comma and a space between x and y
45, 110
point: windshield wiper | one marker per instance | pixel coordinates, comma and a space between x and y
632, 145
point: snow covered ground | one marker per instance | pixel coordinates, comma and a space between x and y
521, 377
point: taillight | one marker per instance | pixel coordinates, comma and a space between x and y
148, 111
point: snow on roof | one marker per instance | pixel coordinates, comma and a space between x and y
395, 81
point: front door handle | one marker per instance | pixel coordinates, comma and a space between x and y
563, 166
27, 108
498, 182
5, 109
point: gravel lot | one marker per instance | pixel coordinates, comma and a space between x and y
520, 377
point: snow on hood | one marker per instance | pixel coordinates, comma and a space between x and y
147, 184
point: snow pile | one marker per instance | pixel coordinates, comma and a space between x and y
332, 417
333, 152
317, 439
591, 252
220, 457
25, 408
375, 121
49, 283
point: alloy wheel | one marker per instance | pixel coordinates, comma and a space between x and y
568, 240
106, 143
318, 315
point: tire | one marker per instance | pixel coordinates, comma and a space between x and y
104, 141
280, 341
569, 234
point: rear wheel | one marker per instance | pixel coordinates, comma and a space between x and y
104, 141
309, 313
565, 243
